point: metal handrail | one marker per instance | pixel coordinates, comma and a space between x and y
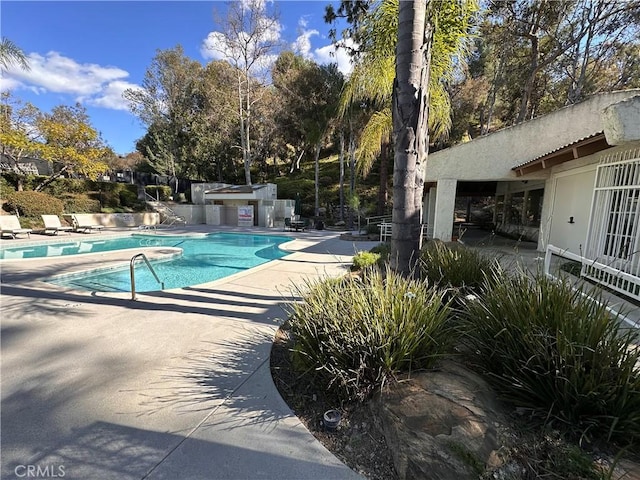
133, 277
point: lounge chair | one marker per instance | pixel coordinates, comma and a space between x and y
10, 225
81, 224
287, 223
52, 225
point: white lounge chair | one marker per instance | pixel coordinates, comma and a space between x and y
81, 224
10, 225
52, 225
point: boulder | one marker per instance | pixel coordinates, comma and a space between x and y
441, 424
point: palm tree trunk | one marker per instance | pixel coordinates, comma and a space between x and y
410, 113
341, 175
384, 178
317, 180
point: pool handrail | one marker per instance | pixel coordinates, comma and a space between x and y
133, 277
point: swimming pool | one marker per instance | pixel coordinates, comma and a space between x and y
204, 259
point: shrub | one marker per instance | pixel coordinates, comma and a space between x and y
363, 260
6, 187
384, 249
80, 203
33, 204
372, 228
353, 334
107, 199
454, 265
128, 198
62, 186
553, 350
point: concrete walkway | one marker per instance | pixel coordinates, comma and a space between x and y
173, 386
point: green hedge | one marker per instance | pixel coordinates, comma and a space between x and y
33, 204
454, 265
80, 203
556, 351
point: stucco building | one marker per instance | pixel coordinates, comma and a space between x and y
570, 179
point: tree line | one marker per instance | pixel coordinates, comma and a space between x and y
427, 74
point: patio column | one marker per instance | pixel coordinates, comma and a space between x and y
430, 211
444, 209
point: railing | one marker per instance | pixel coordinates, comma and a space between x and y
133, 276
605, 275
170, 217
378, 219
386, 231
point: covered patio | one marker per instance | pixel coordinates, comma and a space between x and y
568, 180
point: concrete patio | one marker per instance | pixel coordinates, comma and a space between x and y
175, 385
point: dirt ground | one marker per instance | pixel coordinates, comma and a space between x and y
358, 440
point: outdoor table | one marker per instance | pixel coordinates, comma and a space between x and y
298, 224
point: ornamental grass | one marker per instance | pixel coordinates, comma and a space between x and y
453, 265
556, 351
355, 333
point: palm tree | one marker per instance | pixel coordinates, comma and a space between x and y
11, 54
410, 115
373, 77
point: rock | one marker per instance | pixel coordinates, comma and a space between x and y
440, 424
626, 469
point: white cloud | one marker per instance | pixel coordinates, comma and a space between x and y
111, 96
88, 82
302, 44
214, 47
217, 47
335, 54
8, 83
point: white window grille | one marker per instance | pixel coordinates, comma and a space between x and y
614, 226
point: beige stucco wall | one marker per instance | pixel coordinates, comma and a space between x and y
493, 156
193, 214
621, 122
570, 194
117, 219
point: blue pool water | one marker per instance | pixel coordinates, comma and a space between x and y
203, 259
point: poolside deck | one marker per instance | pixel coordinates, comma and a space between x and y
173, 385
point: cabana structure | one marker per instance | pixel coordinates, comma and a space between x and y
242, 205
569, 179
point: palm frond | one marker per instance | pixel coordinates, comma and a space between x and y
11, 54
374, 133
371, 81
372, 78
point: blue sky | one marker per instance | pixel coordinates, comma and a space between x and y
91, 51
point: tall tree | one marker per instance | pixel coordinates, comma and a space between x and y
371, 82
551, 41
309, 99
248, 40
167, 104
64, 137
19, 136
410, 116
323, 96
71, 141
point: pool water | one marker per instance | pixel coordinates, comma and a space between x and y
203, 260
62, 248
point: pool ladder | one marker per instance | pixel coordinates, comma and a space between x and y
133, 277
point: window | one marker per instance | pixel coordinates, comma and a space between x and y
614, 227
